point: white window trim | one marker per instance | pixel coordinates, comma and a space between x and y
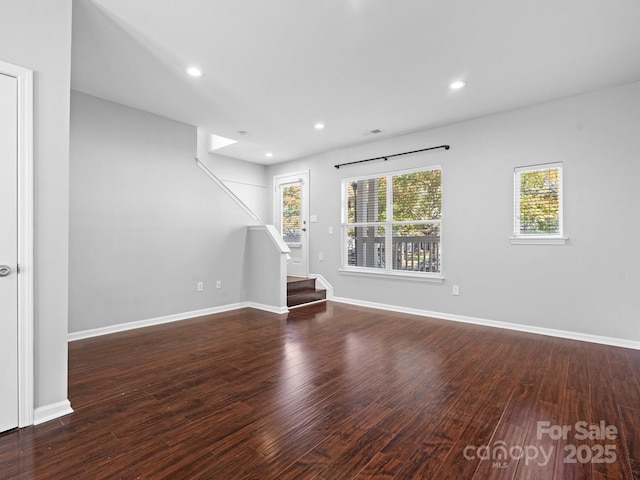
535, 240
555, 239
430, 277
394, 274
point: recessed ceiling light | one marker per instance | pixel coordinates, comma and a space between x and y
319, 126
194, 71
457, 85
268, 154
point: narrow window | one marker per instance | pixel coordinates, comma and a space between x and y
291, 219
538, 201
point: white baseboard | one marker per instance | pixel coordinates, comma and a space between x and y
122, 327
52, 411
584, 337
266, 308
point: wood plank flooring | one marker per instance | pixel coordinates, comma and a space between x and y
336, 392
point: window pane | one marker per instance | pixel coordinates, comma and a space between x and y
413, 216
366, 200
417, 196
539, 202
291, 195
416, 248
365, 247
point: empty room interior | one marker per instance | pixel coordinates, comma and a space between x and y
319, 239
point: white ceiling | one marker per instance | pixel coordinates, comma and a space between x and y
274, 68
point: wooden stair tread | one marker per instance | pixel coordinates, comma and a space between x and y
306, 298
301, 290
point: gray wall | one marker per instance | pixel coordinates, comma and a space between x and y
265, 266
146, 224
588, 286
245, 179
36, 34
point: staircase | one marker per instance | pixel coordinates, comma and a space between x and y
301, 290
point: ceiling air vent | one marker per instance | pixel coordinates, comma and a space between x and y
375, 131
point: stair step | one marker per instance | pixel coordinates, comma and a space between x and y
296, 284
305, 295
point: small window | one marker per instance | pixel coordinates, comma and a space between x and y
391, 223
538, 202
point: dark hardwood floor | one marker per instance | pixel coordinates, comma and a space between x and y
337, 392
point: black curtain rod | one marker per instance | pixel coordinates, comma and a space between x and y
386, 157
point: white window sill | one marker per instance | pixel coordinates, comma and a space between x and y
398, 275
533, 240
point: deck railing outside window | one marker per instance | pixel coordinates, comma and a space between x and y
413, 254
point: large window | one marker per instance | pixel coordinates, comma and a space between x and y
392, 222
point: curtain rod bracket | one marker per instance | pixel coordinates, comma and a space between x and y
387, 157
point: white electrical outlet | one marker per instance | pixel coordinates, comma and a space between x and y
456, 290
330, 230
321, 256
200, 286
219, 284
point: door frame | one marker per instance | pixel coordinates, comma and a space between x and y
277, 208
25, 267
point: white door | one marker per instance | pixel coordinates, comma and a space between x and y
291, 219
8, 253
